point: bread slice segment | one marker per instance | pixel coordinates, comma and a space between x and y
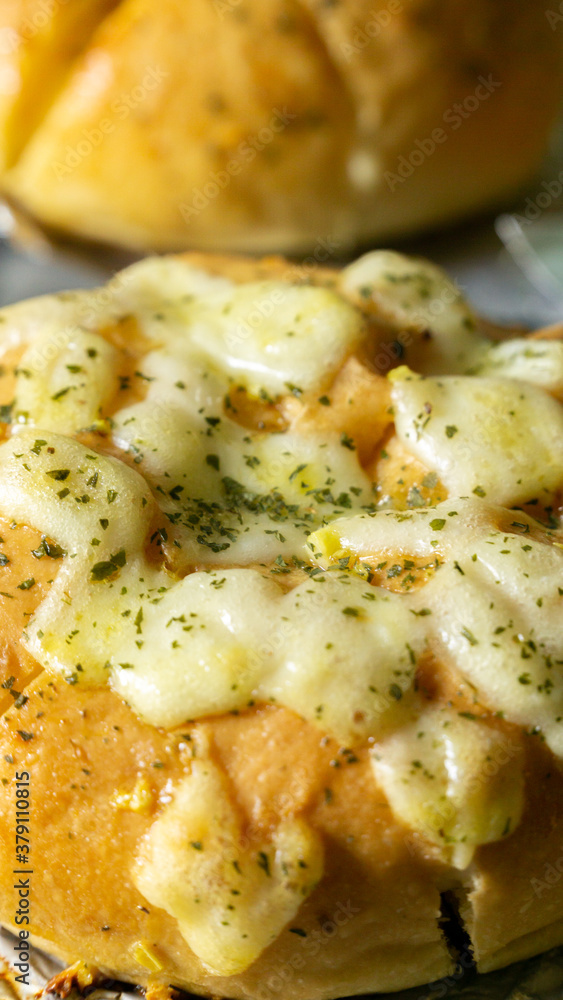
39, 43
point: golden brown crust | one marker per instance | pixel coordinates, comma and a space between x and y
88, 745
274, 124
240, 268
378, 892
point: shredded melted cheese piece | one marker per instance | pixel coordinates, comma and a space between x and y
457, 782
491, 437
231, 898
492, 607
222, 548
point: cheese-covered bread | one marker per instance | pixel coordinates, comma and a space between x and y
260, 125
281, 591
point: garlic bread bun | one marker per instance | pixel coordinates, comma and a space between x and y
258, 125
281, 571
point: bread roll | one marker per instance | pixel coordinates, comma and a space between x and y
281, 577
260, 125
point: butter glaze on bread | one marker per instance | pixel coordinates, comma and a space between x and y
262, 125
285, 668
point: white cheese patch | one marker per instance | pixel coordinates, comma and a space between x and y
73, 494
25, 322
233, 496
215, 642
345, 656
275, 337
537, 361
64, 379
436, 326
265, 335
422, 532
501, 624
494, 606
98, 511
496, 438
455, 779
209, 643
142, 290
231, 899
160, 282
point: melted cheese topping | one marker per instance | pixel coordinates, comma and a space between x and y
219, 494
454, 778
212, 641
496, 438
80, 367
492, 607
426, 311
224, 542
539, 362
231, 898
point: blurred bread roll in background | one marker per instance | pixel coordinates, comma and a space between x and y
270, 124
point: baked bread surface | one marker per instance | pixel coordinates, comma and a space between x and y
308, 805
262, 125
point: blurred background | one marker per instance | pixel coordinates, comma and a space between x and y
313, 129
